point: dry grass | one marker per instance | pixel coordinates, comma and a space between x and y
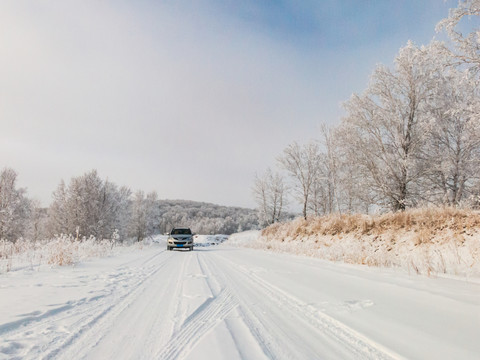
425, 240
62, 250
426, 222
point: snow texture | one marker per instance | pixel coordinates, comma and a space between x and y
222, 302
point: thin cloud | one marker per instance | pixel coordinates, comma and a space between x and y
186, 99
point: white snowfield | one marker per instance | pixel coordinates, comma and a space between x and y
221, 302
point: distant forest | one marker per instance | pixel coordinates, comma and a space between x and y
93, 207
205, 218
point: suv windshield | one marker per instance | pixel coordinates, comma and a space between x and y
181, 232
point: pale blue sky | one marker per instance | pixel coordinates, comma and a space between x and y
188, 98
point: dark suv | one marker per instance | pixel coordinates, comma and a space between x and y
180, 238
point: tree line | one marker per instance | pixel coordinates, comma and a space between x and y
411, 138
91, 206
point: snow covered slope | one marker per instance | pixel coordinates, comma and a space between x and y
220, 302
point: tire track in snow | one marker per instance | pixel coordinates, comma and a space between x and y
77, 317
108, 309
147, 331
270, 346
59, 313
197, 325
90, 333
178, 291
358, 345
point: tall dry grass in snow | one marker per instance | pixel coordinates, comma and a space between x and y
62, 250
425, 241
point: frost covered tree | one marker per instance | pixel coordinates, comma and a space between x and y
204, 218
37, 226
466, 47
138, 220
385, 126
122, 211
270, 194
153, 213
411, 137
85, 197
58, 217
353, 189
90, 206
324, 198
302, 164
113, 210
15, 207
145, 215
452, 151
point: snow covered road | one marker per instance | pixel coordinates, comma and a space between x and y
227, 303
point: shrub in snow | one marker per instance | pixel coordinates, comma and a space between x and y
61, 250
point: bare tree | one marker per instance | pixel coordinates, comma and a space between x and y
302, 164
270, 195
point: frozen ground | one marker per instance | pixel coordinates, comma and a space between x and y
220, 302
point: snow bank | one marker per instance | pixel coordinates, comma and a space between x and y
423, 241
246, 238
207, 240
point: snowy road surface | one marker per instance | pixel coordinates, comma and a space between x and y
227, 303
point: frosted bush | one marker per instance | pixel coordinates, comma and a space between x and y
61, 250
